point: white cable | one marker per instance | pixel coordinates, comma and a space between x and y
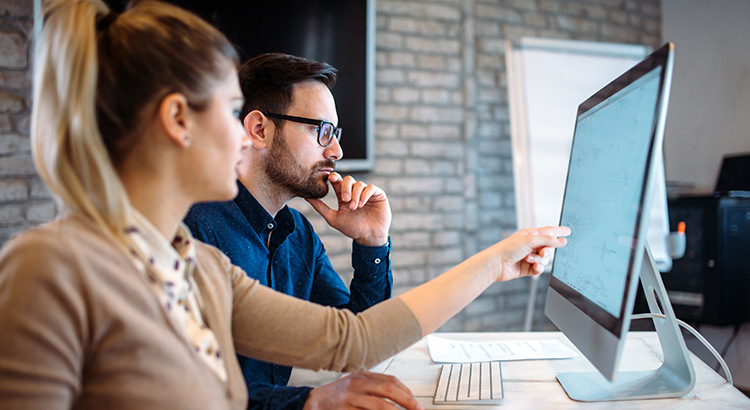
698, 336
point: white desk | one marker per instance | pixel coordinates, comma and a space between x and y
532, 384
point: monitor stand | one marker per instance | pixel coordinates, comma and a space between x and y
675, 377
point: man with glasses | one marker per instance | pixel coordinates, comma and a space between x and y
290, 117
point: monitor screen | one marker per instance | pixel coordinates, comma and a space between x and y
613, 167
604, 194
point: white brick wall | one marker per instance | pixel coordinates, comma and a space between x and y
442, 146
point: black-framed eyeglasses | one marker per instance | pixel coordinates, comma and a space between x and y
326, 130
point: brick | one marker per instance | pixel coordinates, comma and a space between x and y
433, 80
454, 185
428, 45
401, 258
17, 8
490, 199
414, 240
12, 143
436, 115
390, 77
392, 149
416, 167
595, 11
490, 96
382, 95
13, 190
535, 20
527, 5
39, 189
449, 203
618, 17
389, 167
5, 124
444, 132
576, 24
522, 31
416, 186
23, 122
446, 239
448, 257
505, 15
487, 29
14, 79
402, 60
446, 168
10, 215
391, 113
472, 224
413, 26
10, 103
17, 165
497, 46
431, 62
389, 41
550, 6
14, 50
404, 95
454, 65
413, 131
39, 213
445, 150
402, 24
437, 96
385, 129
416, 9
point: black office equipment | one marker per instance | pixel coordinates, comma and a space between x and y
734, 176
711, 283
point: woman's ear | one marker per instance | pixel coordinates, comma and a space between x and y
174, 118
259, 129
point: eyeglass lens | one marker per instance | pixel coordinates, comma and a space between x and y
327, 133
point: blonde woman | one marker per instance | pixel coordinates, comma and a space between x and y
114, 305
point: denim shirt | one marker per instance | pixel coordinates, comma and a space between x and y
294, 263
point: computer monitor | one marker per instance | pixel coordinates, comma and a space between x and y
617, 144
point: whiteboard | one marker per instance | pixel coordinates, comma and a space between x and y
547, 80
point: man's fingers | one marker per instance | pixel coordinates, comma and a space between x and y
376, 387
321, 207
356, 198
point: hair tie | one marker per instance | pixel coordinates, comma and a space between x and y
104, 21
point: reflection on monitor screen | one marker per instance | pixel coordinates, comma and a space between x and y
614, 163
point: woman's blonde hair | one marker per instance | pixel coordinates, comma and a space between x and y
98, 78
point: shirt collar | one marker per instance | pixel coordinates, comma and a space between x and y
257, 216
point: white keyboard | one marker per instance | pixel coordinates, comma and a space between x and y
470, 383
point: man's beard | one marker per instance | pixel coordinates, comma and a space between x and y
284, 170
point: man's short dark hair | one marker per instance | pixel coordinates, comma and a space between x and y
267, 80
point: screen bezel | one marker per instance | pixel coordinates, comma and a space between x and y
615, 325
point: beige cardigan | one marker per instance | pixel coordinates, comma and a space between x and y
80, 328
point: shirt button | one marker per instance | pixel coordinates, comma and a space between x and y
269, 226
377, 261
